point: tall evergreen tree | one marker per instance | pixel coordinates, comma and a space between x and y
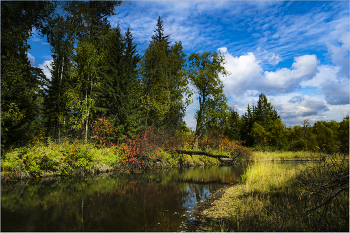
91, 26
61, 39
264, 113
20, 81
246, 127
163, 81
118, 92
233, 129
159, 33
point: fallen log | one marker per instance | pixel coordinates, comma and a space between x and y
201, 153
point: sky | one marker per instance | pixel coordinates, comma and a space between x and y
295, 52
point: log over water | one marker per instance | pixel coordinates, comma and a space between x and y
201, 153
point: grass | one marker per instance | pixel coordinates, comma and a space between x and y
272, 197
287, 155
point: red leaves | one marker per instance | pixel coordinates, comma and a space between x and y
102, 131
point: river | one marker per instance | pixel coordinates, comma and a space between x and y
152, 201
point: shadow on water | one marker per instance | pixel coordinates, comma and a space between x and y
153, 201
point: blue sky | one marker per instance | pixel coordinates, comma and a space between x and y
296, 52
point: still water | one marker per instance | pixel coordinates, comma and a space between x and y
153, 201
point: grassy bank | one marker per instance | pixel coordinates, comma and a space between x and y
277, 196
75, 158
289, 155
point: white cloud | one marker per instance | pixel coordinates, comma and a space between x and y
274, 59
294, 107
246, 74
44, 66
335, 88
286, 80
31, 59
222, 50
243, 71
340, 54
337, 92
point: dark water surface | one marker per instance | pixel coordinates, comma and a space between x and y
152, 201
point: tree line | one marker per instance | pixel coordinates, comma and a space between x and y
99, 78
261, 127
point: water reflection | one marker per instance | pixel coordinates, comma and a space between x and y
153, 201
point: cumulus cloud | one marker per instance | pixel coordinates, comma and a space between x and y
31, 59
337, 92
335, 88
45, 67
286, 80
294, 108
223, 50
243, 71
296, 99
340, 54
246, 74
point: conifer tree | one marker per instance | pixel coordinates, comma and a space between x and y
163, 81
61, 39
233, 129
20, 81
159, 33
246, 126
118, 93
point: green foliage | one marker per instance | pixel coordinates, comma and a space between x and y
259, 134
233, 129
20, 81
163, 82
118, 95
204, 75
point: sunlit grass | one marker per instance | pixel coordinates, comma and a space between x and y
260, 155
270, 198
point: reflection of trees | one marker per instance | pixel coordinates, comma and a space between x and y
123, 202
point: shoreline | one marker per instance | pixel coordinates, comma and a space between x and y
96, 170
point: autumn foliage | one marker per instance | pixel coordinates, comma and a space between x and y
216, 140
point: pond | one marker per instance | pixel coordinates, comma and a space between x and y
153, 201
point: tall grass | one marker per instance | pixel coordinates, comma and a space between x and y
276, 196
288, 155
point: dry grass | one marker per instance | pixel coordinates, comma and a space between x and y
269, 200
287, 155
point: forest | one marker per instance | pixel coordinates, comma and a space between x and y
102, 91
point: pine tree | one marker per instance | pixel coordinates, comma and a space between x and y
118, 93
264, 113
246, 127
163, 82
159, 33
233, 130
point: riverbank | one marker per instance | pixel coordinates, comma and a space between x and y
278, 197
75, 159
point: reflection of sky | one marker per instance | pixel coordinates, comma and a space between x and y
191, 202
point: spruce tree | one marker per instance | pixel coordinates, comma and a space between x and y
159, 32
233, 130
118, 93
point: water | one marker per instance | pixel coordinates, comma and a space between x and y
153, 201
